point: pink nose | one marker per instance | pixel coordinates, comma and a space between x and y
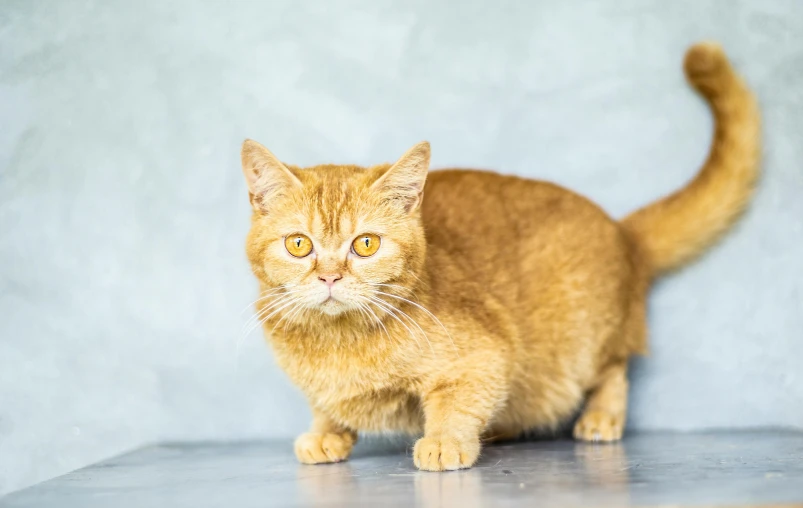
330, 279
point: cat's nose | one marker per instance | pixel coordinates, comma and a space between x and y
330, 279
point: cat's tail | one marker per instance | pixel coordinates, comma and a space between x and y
679, 227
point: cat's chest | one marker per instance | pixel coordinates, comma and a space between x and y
326, 375
362, 392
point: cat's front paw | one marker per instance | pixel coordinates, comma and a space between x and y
598, 425
445, 453
319, 447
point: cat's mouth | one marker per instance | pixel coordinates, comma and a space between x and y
331, 300
332, 306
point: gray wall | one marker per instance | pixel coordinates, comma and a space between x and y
123, 211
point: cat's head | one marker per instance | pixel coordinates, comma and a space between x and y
326, 240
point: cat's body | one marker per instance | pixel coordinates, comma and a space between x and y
581, 311
494, 306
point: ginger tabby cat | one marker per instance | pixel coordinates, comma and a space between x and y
478, 306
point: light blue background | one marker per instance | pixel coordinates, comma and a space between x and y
123, 211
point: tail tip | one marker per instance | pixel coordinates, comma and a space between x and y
705, 59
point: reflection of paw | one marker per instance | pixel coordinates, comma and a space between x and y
317, 448
445, 454
598, 426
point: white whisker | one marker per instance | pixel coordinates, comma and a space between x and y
433, 316
365, 315
390, 310
414, 322
293, 301
279, 297
376, 317
274, 308
296, 310
268, 294
255, 321
396, 286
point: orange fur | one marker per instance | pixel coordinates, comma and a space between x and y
493, 306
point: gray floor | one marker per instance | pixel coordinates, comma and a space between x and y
747, 468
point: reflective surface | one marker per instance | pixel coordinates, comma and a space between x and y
747, 468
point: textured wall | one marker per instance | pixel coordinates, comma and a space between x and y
123, 211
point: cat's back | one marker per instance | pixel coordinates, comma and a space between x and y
490, 206
500, 228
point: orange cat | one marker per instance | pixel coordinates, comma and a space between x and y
492, 306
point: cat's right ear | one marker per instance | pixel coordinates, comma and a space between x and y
267, 178
404, 182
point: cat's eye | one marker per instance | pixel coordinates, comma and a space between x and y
366, 245
298, 245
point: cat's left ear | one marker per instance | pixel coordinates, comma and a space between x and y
404, 181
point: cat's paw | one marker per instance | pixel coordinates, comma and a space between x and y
318, 447
445, 453
598, 425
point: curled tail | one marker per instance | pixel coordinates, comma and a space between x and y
679, 227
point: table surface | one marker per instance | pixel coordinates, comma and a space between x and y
702, 469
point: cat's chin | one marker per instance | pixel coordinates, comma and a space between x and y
333, 307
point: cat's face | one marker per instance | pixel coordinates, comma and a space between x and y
330, 239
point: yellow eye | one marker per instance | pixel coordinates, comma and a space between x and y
366, 245
298, 245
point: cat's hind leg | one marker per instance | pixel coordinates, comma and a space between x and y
603, 418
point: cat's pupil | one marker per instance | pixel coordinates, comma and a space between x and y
367, 242
298, 242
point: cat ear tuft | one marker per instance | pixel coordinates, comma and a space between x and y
404, 181
267, 178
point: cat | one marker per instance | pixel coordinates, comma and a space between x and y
468, 306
